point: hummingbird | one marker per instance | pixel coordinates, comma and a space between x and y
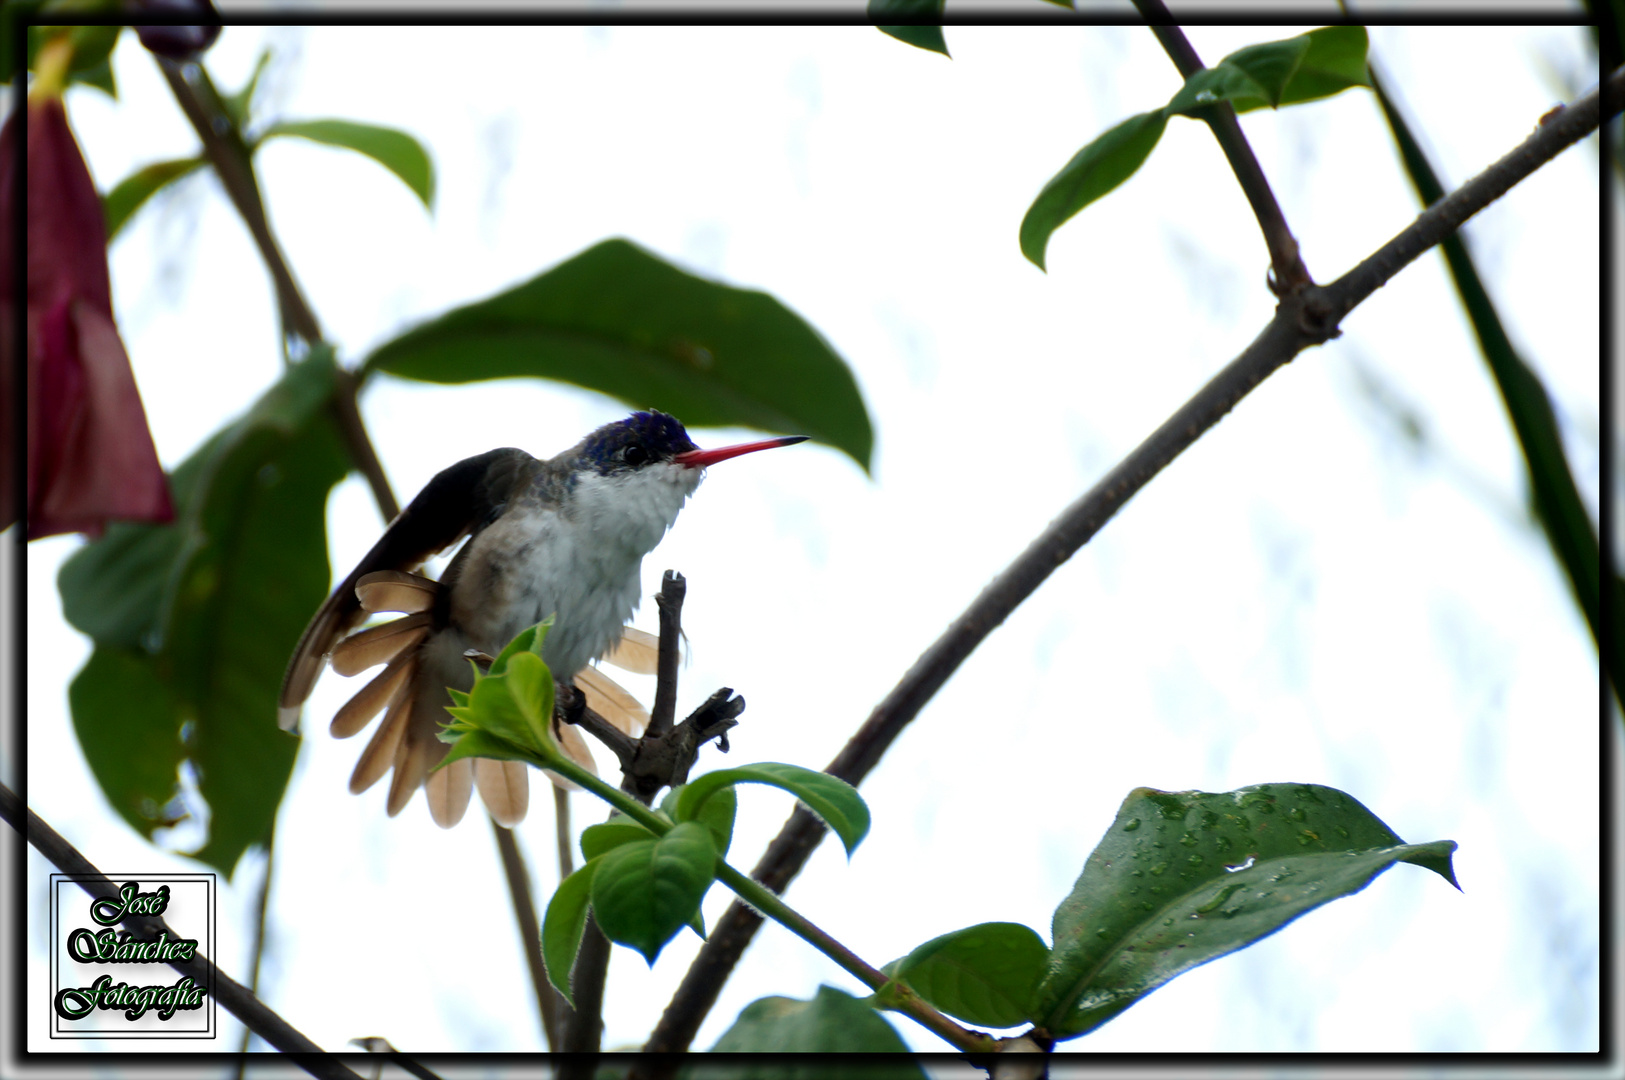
565, 536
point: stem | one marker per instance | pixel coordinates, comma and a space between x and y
234, 164
583, 1024
1285, 260
617, 798
530, 930
259, 937
561, 830
223, 145
768, 903
51, 66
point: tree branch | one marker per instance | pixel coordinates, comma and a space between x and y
548, 999
224, 147
262, 905
1557, 132
1307, 317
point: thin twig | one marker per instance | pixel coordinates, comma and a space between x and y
530, 932
237, 998
1562, 129
1306, 318
354, 433
224, 147
669, 601
259, 937
1286, 262
561, 830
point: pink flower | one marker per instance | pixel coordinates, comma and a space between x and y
90, 455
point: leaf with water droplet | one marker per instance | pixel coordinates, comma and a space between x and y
1111, 949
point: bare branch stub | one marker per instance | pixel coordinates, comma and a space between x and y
673, 589
570, 706
665, 761
665, 754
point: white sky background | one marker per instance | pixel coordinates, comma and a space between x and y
1303, 596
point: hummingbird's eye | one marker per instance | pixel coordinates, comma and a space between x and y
634, 455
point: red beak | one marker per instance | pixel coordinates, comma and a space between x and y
699, 459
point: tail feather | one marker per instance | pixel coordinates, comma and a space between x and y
409, 691
504, 788
447, 791
413, 759
610, 700
395, 590
638, 651
379, 756
356, 713
378, 644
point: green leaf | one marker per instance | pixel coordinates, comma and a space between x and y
98, 75
509, 712
717, 813
832, 1022
1336, 61
1248, 78
136, 760
919, 34
1182, 878
476, 743
563, 925
131, 193
247, 564
532, 686
618, 320
395, 150
1093, 171
645, 891
112, 588
529, 640
1298, 69
1561, 512
986, 975
92, 43
244, 596
238, 105
836, 801
603, 838
1303, 68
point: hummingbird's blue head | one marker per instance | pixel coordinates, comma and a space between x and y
643, 438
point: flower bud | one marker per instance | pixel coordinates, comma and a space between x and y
90, 455
179, 42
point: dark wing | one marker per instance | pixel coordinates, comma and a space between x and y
459, 500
